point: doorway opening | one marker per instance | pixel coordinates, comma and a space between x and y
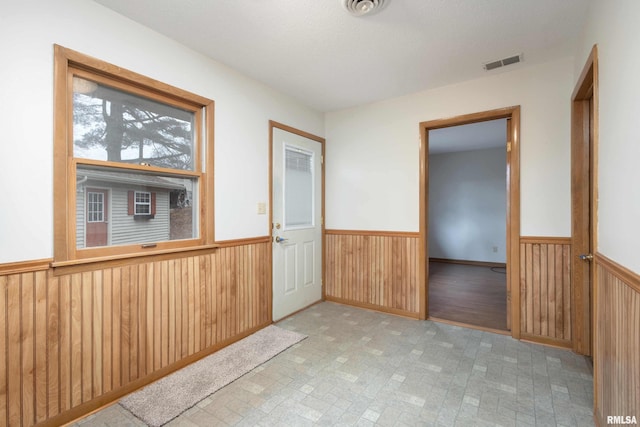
467, 224
470, 221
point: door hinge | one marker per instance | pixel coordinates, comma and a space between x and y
322, 160
508, 146
321, 220
508, 295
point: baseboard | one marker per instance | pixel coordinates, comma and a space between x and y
468, 325
551, 342
374, 307
467, 262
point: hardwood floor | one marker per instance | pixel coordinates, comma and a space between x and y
469, 294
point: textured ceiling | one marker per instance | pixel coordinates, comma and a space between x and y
316, 52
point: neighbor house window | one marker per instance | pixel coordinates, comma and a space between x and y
145, 145
141, 203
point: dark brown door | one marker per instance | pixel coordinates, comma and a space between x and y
97, 226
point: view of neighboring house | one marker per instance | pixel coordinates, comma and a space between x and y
115, 208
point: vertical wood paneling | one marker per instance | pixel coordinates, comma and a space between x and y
566, 286
26, 343
67, 340
107, 331
14, 369
372, 270
65, 343
125, 315
40, 346
76, 340
149, 319
97, 340
116, 362
183, 321
53, 346
166, 301
545, 293
173, 312
133, 324
616, 341
86, 308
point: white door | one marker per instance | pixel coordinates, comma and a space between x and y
297, 222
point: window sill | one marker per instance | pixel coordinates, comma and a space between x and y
90, 264
143, 217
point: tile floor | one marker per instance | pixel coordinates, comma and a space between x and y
364, 368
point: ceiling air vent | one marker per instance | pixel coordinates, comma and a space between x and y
503, 62
363, 7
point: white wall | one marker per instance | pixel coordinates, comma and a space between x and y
468, 205
372, 169
613, 25
28, 30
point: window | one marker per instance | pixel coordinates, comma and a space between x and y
298, 188
133, 163
141, 203
95, 207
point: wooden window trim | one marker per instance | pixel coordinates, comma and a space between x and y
65, 164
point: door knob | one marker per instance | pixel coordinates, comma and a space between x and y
586, 257
280, 239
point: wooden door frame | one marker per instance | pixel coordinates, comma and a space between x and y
584, 195
513, 204
272, 125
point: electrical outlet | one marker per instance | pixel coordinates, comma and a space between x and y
495, 249
262, 208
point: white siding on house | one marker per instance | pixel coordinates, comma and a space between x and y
80, 219
125, 229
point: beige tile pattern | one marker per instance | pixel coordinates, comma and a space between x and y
364, 368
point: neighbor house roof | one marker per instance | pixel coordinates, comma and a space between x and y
130, 179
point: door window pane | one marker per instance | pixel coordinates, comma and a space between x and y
95, 207
298, 188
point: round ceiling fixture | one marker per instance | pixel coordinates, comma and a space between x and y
362, 7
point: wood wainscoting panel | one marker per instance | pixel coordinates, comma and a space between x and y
616, 341
72, 343
377, 270
545, 290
